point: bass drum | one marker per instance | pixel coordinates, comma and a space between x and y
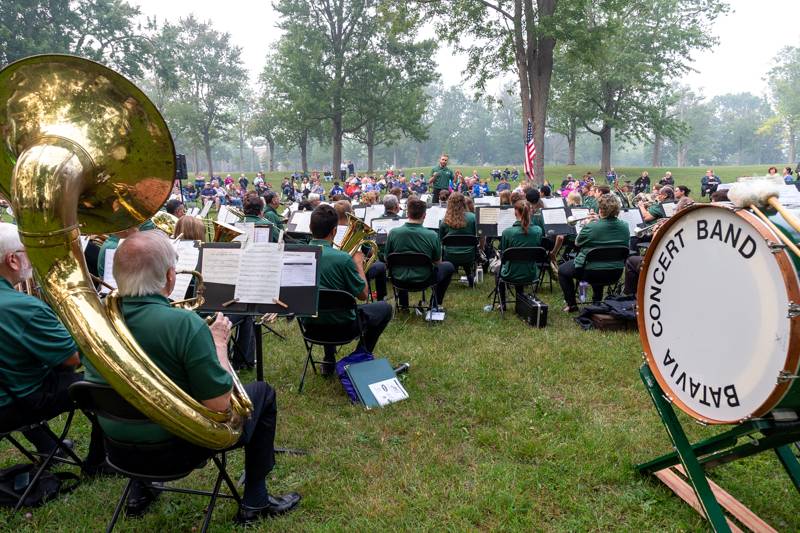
718, 307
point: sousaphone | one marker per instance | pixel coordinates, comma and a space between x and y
83, 150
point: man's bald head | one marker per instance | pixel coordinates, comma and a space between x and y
144, 264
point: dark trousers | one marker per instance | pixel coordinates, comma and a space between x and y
444, 273
49, 401
632, 266
501, 290
375, 317
567, 275
258, 440
435, 198
245, 340
377, 272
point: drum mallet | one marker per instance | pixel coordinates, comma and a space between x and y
762, 193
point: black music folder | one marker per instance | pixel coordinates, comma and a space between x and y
555, 221
493, 219
300, 300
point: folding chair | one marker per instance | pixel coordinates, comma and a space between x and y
462, 241
527, 255
141, 461
600, 279
314, 334
399, 261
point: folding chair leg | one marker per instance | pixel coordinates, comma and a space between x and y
222, 465
213, 502
120, 503
24, 451
305, 370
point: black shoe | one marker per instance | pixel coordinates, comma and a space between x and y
326, 369
276, 505
140, 498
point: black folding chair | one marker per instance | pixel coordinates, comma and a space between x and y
142, 461
600, 279
462, 241
526, 255
331, 302
399, 261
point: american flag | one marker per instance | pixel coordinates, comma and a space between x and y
530, 151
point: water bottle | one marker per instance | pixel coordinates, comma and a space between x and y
582, 291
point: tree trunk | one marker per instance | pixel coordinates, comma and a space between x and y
303, 143
572, 140
337, 135
605, 139
658, 142
418, 155
792, 146
271, 143
207, 146
196, 161
370, 148
241, 149
683, 152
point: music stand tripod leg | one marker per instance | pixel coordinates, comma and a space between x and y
790, 464
695, 472
259, 352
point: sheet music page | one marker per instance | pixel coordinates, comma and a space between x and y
261, 234
84, 242
222, 214
488, 217
669, 208
188, 255
488, 200
433, 216
206, 209
633, 217
789, 195
360, 212
108, 270
554, 216
553, 202
302, 221
505, 219
249, 229
299, 269
373, 211
425, 198
340, 231
386, 225
193, 212
259, 279
221, 265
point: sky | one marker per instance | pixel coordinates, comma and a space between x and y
749, 38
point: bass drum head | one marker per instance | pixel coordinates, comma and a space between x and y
713, 311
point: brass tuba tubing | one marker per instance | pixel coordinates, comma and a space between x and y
356, 236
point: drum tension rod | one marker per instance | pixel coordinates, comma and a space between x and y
784, 376
775, 247
794, 310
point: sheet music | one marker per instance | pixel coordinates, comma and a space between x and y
206, 209
487, 200
488, 217
505, 219
789, 195
221, 265
669, 208
259, 279
554, 216
301, 221
188, 254
108, 269
433, 217
373, 211
360, 212
299, 269
261, 234
553, 202
193, 212
425, 198
633, 217
340, 231
84, 242
386, 225
579, 212
249, 229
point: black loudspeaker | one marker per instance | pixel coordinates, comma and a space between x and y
180, 167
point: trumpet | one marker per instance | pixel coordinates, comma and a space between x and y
650, 230
574, 221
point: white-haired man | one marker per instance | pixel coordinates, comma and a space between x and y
195, 357
37, 357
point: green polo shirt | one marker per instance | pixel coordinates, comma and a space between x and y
590, 202
459, 255
514, 237
412, 237
337, 271
273, 217
442, 181
179, 343
111, 243
657, 210
32, 342
602, 233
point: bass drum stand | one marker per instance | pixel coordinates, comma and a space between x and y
688, 479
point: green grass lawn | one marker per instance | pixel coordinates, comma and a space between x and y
507, 428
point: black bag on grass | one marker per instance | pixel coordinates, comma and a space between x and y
15, 480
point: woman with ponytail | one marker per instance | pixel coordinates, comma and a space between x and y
522, 234
458, 220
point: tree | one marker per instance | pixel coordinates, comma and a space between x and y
737, 118
210, 76
636, 48
103, 30
784, 86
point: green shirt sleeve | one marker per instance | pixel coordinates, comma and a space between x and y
206, 376
47, 340
354, 284
437, 249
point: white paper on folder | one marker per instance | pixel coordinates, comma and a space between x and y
221, 265
434, 216
188, 255
340, 231
299, 269
554, 216
301, 221
488, 215
206, 209
259, 279
505, 219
